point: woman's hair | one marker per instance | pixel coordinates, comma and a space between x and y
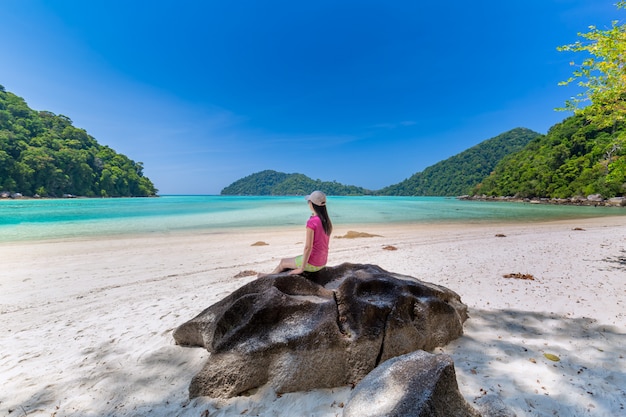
322, 213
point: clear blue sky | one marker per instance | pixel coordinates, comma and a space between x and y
362, 92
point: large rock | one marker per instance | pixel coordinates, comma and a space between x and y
616, 201
595, 198
320, 330
417, 384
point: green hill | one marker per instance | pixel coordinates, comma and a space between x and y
278, 183
459, 174
43, 154
575, 158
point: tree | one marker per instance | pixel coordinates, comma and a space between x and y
602, 75
42, 153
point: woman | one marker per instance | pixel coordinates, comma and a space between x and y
318, 230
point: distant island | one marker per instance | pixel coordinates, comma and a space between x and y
270, 182
43, 155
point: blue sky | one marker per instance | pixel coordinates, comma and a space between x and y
362, 92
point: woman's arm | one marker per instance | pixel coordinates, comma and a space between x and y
308, 247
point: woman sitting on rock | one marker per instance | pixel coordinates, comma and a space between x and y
318, 230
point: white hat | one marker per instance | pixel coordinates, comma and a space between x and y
317, 197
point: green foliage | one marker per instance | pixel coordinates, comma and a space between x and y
585, 154
575, 158
459, 174
42, 153
278, 183
261, 183
602, 74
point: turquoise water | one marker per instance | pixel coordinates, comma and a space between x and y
66, 218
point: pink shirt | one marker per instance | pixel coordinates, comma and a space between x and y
319, 252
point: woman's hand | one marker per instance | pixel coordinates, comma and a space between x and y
296, 271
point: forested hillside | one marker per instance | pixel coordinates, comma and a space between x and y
278, 183
575, 158
44, 154
585, 154
459, 174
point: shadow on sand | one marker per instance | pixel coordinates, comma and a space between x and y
502, 353
542, 364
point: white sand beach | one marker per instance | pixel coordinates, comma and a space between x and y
85, 325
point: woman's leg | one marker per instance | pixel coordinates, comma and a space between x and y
283, 265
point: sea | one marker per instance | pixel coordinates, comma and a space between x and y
45, 219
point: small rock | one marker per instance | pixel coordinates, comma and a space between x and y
418, 384
354, 235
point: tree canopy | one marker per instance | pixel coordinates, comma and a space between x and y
575, 158
42, 153
602, 74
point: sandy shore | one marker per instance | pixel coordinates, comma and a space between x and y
85, 325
